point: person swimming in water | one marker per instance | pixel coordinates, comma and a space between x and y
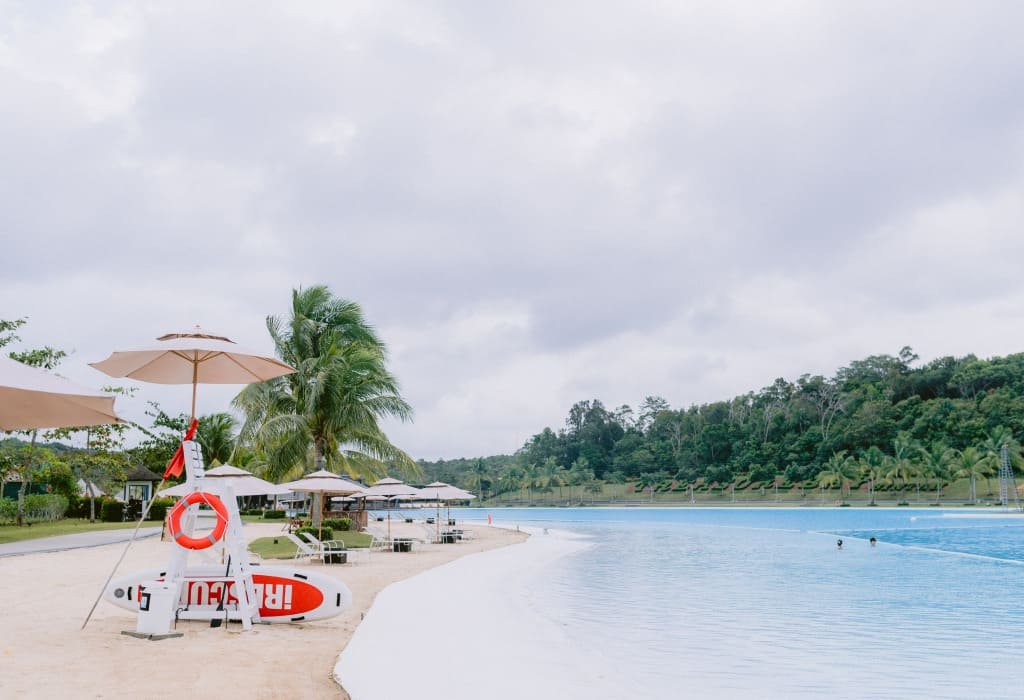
873, 541
839, 544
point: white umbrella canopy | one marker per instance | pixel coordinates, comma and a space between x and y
243, 483
390, 489
324, 481
442, 492
32, 398
193, 357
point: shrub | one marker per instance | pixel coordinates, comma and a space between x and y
45, 506
340, 524
8, 510
112, 511
274, 514
78, 507
324, 533
158, 511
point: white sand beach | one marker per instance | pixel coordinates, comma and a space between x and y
471, 629
43, 654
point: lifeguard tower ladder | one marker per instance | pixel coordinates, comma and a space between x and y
1007, 484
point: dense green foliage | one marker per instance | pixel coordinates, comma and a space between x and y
879, 421
326, 414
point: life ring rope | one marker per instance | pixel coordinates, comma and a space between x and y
195, 498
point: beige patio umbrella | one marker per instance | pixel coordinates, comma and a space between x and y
391, 489
323, 483
193, 357
32, 398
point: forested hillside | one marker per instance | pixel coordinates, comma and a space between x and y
881, 418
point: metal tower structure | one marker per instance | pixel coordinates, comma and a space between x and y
1007, 484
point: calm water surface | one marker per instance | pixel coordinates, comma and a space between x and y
760, 602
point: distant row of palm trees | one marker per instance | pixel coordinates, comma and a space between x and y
911, 461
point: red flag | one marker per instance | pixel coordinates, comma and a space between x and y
177, 463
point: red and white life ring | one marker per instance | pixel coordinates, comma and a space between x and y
174, 520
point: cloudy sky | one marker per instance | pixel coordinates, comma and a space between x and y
535, 202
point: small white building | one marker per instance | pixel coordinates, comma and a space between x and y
140, 484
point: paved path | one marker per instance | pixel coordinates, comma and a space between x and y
59, 543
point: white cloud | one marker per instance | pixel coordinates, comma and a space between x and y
536, 205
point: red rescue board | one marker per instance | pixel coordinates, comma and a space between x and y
284, 594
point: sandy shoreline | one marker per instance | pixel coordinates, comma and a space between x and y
47, 596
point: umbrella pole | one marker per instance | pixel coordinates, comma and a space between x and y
195, 381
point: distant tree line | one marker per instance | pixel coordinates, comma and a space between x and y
880, 421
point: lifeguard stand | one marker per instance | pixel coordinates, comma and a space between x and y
1007, 484
230, 551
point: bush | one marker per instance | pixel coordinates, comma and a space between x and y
45, 506
78, 507
158, 511
274, 514
112, 511
324, 533
340, 524
8, 511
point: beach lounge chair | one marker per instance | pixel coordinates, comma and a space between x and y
328, 550
304, 550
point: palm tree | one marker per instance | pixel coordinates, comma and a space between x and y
216, 435
992, 447
325, 415
971, 463
594, 486
479, 472
648, 480
511, 480
550, 476
872, 468
901, 467
579, 474
839, 469
935, 463
530, 476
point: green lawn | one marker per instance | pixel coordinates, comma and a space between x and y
282, 548
67, 526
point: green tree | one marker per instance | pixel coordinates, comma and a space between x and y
839, 470
872, 468
648, 480
550, 476
935, 463
531, 476
479, 474
44, 358
216, 435
901, 468
326, 414
8, 330
971, 463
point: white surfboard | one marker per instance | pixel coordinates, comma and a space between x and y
284, 593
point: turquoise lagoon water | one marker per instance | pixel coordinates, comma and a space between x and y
760, 602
